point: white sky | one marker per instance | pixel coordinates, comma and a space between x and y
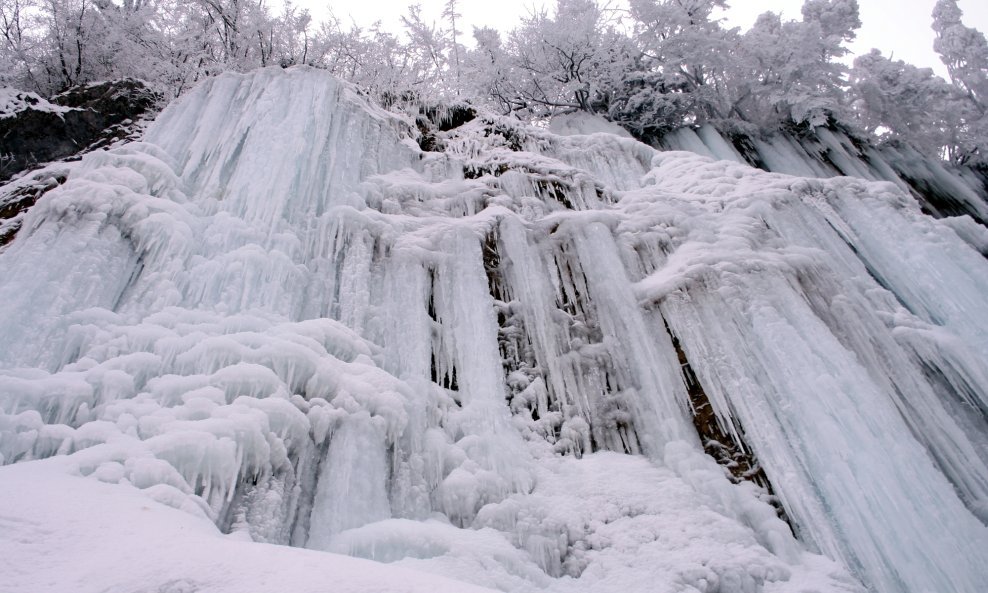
898, 27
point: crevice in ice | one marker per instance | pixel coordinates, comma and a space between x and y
492, 266
531, 402
940, 203
956, 385
507, 135
448, 116
129, 286
551, 188
431, 120
602, 403
478, 171
229, 166
868, 266
744, 145
443, 367
731, 451
303, 493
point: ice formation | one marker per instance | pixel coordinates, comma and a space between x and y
280, 315
830, 152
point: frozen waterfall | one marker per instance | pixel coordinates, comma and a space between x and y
526, 361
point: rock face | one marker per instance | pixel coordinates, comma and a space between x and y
36, 131
17, 198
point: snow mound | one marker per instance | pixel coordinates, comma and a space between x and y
114, 539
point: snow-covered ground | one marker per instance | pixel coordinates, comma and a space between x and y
64, 533
278, 319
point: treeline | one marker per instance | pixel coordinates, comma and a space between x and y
651, 67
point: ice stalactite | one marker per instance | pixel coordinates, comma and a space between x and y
490, 359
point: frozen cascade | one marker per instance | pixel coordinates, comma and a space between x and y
279, 314
352, 484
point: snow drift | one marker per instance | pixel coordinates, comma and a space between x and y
280, 316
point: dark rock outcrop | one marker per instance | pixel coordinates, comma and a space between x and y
18, 196
83, 118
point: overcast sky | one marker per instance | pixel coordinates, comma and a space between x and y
898, 27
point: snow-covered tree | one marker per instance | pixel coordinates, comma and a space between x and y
430, 48
69, 51
487, 72
16, 60
49, 45
685, 45
964, 51
374, 59
794, 69
452, 15
896, 100
564, 61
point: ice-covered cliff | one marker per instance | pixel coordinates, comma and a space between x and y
829, 151
516, 359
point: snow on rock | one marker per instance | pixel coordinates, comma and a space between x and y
281, 317
83, 118
13, 101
